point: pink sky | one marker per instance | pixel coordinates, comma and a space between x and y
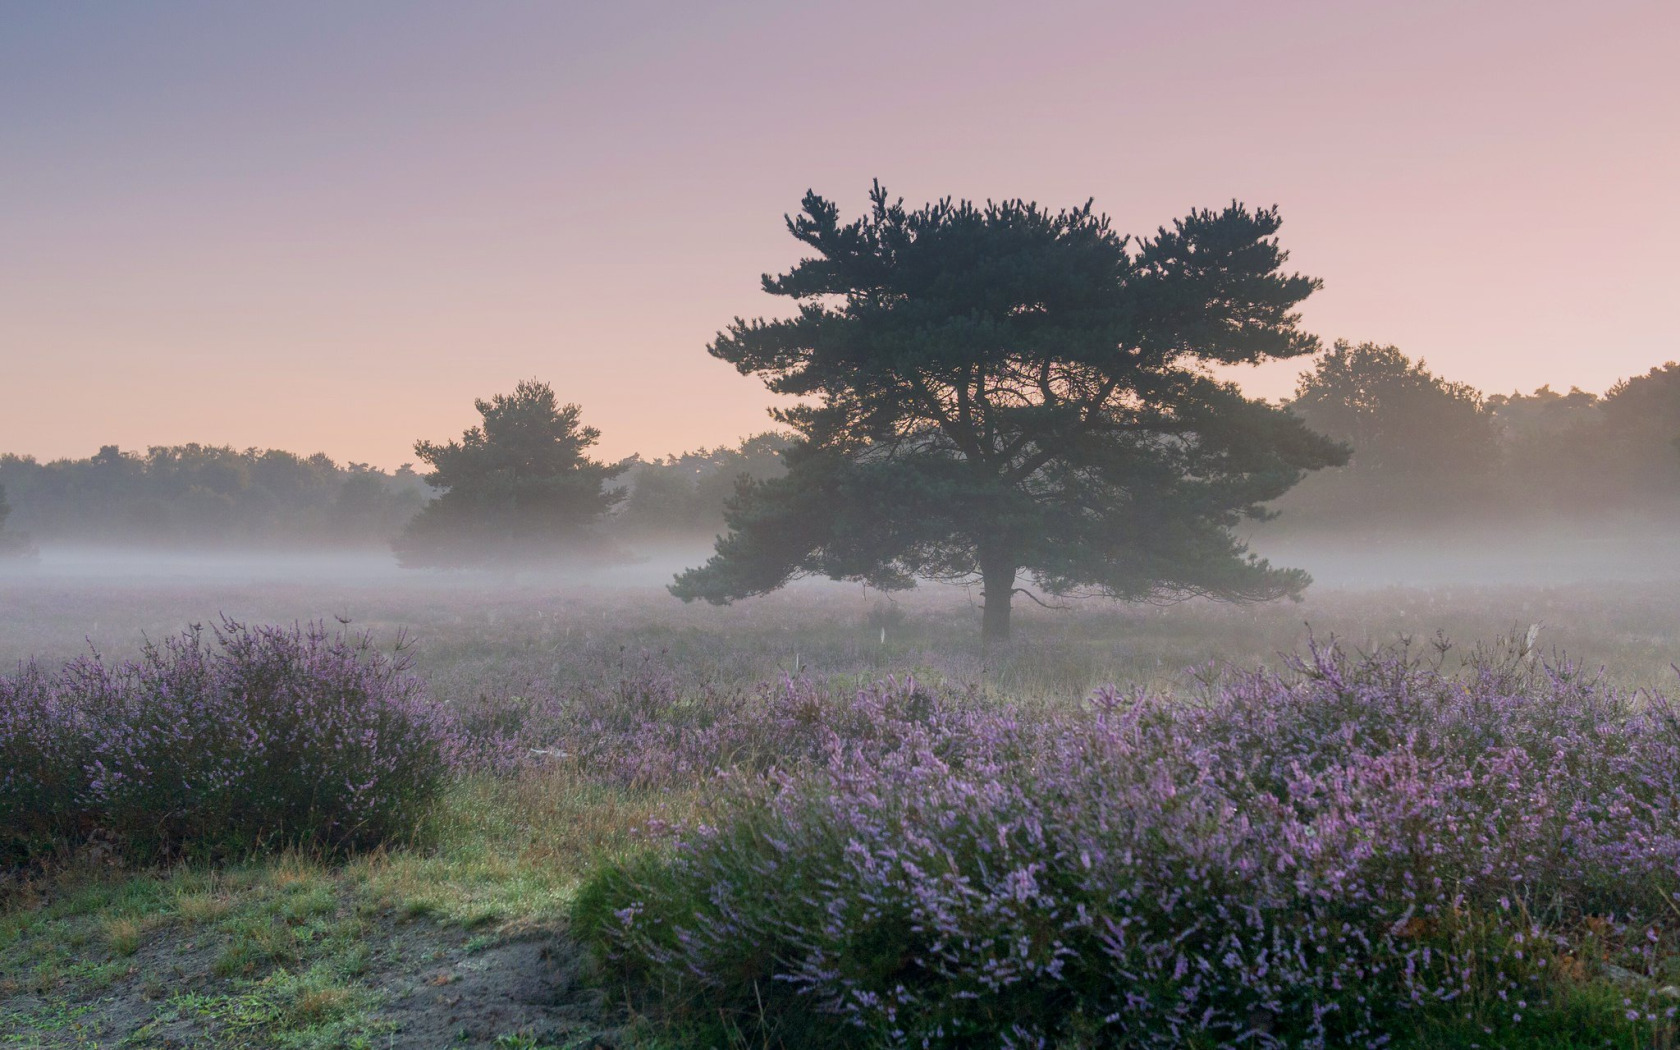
330, 227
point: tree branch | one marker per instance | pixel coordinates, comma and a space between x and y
1034, 597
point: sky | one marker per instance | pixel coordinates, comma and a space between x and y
329, 227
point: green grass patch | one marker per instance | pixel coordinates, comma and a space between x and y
299, 950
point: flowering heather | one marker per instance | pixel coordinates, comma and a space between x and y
640, 725
221, 741
1356, 852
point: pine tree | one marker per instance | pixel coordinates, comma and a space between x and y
516, 488
994, 390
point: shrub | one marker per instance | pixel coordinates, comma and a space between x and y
1357, 851
224, 741
45, 748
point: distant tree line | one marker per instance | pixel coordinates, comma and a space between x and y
1000, 393
208, 495
685, 495
504, 503
1426, 448
13, 544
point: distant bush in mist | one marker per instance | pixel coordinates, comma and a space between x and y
203, 495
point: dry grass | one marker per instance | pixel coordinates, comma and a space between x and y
508, 853
198, 909
318, 1006
123, 935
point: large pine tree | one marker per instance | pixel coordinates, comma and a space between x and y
994, 390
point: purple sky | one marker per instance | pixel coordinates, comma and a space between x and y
328, 227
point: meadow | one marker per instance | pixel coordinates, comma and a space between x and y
630, 762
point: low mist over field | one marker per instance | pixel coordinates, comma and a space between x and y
1609, 599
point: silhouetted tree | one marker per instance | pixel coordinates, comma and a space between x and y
998, 389
1554, 456
516, 487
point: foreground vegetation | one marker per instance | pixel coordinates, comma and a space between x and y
1360, 851
647, 837
448, 939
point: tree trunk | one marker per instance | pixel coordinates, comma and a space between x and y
998, 582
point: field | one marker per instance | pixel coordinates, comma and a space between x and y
461, 936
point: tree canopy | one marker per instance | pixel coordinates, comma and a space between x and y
1399, 417
998, 389
516, 487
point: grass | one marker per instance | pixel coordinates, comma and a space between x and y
297, 951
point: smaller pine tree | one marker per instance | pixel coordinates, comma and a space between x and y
516, 488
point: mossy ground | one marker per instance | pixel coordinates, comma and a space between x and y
455, 940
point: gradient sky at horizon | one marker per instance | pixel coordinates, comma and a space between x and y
328, 227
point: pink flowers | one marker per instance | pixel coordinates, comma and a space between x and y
226, 740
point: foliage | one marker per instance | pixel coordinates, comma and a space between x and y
640, 726
1002, 388
1426, 450
202, 494
1362, 851
12, 544
1412, 433
685, 495
1642, 427
517, 486
239, 739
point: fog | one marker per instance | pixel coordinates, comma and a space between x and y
1548, 554
1552, 554
130, 567
1604, 594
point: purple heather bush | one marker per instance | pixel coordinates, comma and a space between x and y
1352, 852
223, 741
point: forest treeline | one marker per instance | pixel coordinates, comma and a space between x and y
208, 495
218, 496
1425, 449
